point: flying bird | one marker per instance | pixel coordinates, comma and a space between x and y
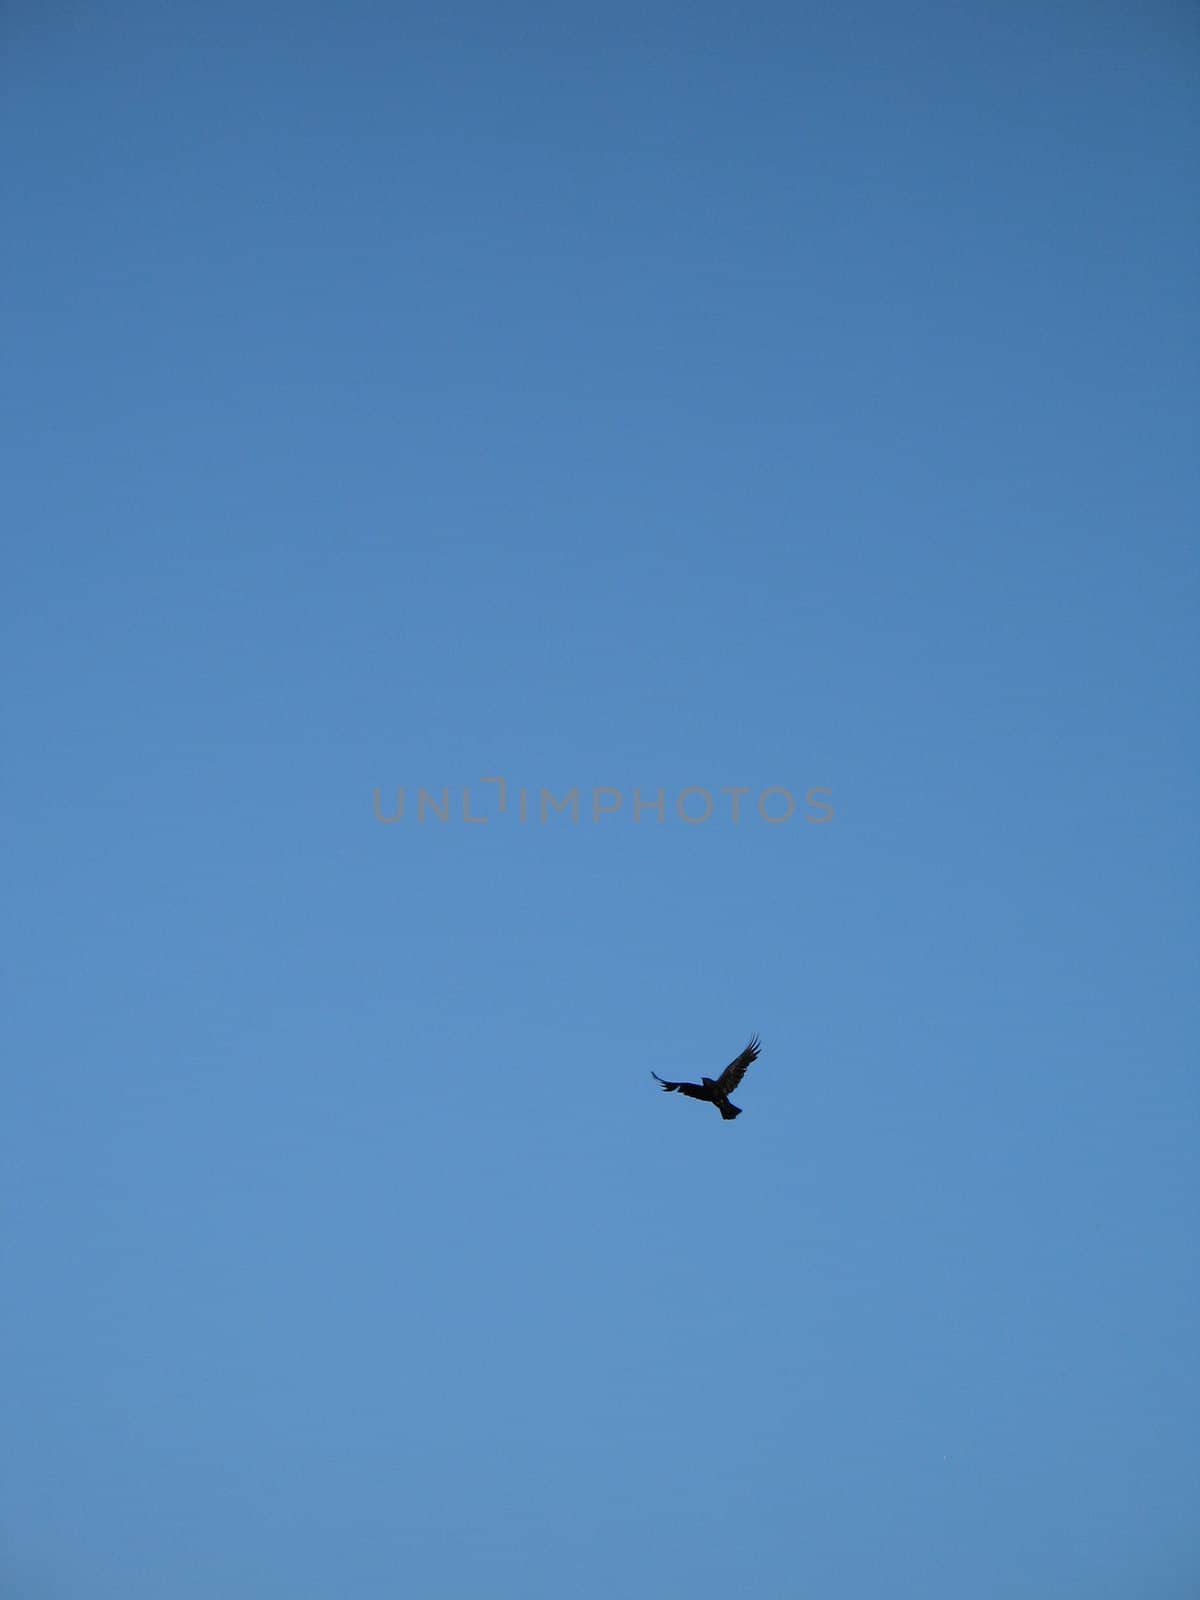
718, 1090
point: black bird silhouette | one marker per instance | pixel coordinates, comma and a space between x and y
718, 1090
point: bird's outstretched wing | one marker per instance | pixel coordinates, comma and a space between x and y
695, 1090
736, 1070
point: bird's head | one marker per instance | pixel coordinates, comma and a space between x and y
707, 1082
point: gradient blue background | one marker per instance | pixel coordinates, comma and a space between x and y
783, 395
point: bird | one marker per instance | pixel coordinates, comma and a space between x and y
718, 1090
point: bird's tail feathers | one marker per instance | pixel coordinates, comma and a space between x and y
728, 1110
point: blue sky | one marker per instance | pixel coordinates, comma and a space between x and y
665, 397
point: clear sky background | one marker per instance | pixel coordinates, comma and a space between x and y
668, 396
